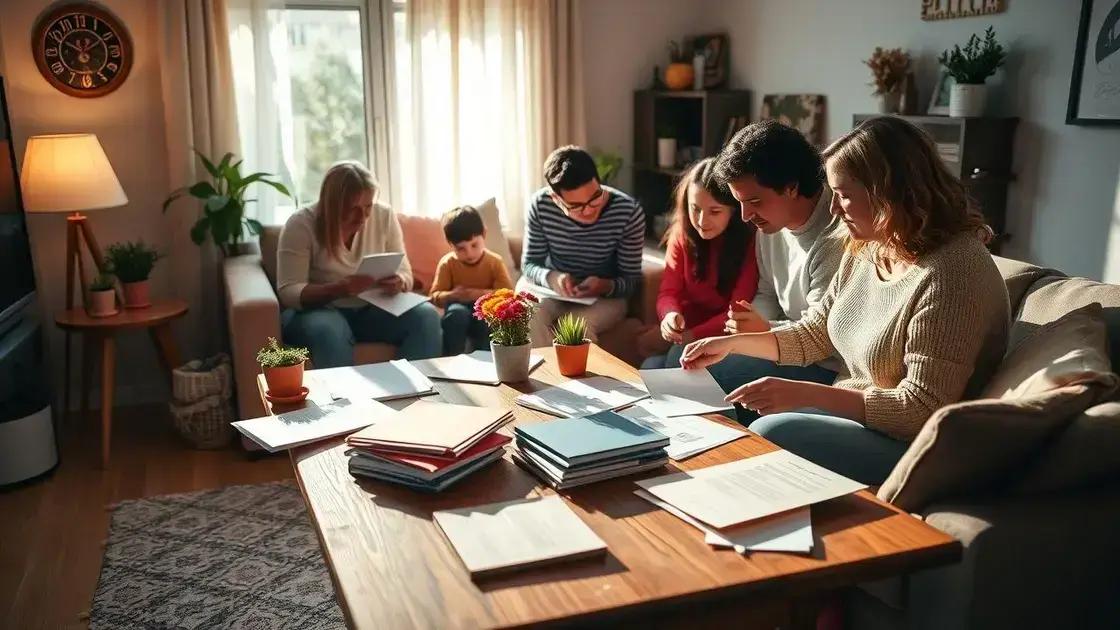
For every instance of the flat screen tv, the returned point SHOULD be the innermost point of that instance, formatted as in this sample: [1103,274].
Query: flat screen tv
[17,276]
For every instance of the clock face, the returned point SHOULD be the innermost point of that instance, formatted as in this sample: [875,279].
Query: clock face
[82,50]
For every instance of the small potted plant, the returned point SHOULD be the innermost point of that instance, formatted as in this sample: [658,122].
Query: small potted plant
[970,67]
[508,314]
[569,338]
[102,298]
[132,263]
[666,144]
[679,73]
[283,368]
[888,72]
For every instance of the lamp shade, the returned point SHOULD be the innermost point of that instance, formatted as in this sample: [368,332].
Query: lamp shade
[68,173]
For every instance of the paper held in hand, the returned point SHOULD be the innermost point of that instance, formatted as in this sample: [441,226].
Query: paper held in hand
[378,266]
[546,293]
[680,392]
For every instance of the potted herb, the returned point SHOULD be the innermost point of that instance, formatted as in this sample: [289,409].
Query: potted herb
[569,338]
[132,263]
[888,74]
[679,73]
[508,314]
[970,67]
[283,368]
[223,209]
[102,298]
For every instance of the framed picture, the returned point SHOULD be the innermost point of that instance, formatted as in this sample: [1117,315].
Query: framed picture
[1094,89]
[803,112]
[939,100]
[716,57]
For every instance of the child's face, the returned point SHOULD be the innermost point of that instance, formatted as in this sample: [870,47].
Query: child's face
[470,251]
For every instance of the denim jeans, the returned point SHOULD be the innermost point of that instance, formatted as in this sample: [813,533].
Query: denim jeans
[330,333]
[738,369]
[459,325]
[672,359]
[840,445]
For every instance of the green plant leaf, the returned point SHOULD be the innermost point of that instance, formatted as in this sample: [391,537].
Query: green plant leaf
[198,230]
[255,227]
[175,194]
[219,230]
[208,165]
[226,159]
[202,190]
[216,204]
[279,187]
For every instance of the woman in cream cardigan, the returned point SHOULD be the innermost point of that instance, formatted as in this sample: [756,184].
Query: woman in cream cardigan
[319,252]
[917,312]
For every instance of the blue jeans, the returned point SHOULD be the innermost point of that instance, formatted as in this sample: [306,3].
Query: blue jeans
[330,333]
[840,445]
[738,369]
[459,325]
[670,360]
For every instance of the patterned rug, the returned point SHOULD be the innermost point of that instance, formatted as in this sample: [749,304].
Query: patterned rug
[236,557]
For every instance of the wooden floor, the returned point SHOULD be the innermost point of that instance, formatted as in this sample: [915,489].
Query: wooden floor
[51,531]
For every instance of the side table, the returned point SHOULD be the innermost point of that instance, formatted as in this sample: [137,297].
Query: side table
[98,332]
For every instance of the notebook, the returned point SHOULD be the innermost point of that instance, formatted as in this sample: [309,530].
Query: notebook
[396,304]
[586,439]
[380,381]
[476,367]
[438,484]
[681,392]
[546,293]
[579,397]
[515,535]
[427,466]
[433,428]
[557,475]
[312,423]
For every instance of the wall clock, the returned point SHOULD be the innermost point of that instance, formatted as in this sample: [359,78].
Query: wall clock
[82,50]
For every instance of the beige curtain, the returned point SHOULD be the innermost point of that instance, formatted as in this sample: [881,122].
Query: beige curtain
[484,90]
[200,113]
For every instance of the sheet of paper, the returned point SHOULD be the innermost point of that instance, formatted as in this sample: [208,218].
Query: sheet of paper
[516,534]
[680,392]
[748,489]
[476,367]
[312,423]
[397,304]
[545,293]
[379,381]
[580,397]
[379,266]
[688,435]
[792,531]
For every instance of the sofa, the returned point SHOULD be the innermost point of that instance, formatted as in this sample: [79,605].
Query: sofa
[253,309]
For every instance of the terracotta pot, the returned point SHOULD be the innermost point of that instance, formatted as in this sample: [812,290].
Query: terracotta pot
[284,381]
[137,294]
[511,362]
[102,303]
[678,76]
[572,359]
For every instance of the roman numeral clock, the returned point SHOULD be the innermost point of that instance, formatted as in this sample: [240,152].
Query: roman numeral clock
[82,50]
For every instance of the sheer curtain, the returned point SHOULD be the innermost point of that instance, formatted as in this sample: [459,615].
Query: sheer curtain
[485,89]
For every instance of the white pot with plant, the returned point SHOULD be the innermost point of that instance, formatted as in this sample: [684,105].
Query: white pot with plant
[888,71]
[508,314]
[970,67]
[102,300]
[666,145]
[132,263]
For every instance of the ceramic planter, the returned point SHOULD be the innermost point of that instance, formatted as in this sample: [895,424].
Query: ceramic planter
[572,360]
[511,362]
[890,102]
[967,100]
[666,152]
[137,294]
[102,303]
[284,381]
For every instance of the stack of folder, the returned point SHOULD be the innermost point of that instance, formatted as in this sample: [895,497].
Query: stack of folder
[429,446]
[575,451]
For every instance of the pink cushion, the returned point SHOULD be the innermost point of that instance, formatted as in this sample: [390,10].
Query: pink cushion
[425,245]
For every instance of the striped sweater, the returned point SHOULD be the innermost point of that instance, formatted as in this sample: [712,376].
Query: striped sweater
[609,248]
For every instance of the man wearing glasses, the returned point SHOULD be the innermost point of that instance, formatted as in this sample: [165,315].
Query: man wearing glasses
[582,240]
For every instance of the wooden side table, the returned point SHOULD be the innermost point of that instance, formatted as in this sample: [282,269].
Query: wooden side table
[98,333]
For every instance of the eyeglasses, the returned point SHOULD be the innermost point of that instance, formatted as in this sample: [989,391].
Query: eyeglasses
[580,207]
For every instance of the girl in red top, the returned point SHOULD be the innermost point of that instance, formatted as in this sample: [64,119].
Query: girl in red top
[709,264]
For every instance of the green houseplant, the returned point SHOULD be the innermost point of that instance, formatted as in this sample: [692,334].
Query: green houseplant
[223,208]
[569,338]
[132,263]
[102,300]
[607,164]
[283,368]
[970,67]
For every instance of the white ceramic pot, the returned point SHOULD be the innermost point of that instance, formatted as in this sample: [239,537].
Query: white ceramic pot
[890,102]
[698,61]
[967,100]
[666,152]
[511,362]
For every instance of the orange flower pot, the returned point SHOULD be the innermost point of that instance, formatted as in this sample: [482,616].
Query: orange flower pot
[284,381]
[572,359]
[678,76]
[137,294]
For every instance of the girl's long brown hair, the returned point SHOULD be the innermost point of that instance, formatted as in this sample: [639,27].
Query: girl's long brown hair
[341,183]
[736,238]
[919,205]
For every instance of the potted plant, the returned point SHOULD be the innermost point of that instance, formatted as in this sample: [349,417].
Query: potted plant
[132,263]
[223,209]
[607,165]
[283,368]
[679,73]
[666,144]
[508,313]
[102,298]
[888,74]
[970,67]
[569,338]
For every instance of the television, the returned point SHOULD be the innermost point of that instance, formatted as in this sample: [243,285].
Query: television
[17,276]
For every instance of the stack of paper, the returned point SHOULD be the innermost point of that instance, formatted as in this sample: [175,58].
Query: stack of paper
[680,392]
[476,367]
[312,423]
[576,451]
[546,293]
[377,381]
[583,396]
[688,435]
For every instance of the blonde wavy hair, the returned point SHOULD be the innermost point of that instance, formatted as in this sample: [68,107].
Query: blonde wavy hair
[917,202]
[341,183]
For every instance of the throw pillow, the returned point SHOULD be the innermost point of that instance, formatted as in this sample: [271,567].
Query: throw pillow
[1086,452]
[496,240]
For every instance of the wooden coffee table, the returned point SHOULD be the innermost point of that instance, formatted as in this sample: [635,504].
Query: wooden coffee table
[392,568]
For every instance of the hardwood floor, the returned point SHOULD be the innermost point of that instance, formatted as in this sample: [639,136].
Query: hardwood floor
[51,531]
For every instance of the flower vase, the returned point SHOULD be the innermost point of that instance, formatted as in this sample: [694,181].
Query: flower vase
[889,102]
[511,362]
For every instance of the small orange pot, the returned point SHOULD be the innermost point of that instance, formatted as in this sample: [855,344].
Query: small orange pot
[284,381]
[678,76]
[572,359]
[137,294]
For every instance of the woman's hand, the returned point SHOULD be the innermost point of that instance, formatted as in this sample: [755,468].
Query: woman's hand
[353,285]
[391,285]
[741,317]
[705,352]
[672,327]
[775,395]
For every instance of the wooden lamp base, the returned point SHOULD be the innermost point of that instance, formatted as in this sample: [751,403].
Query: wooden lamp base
[78,233]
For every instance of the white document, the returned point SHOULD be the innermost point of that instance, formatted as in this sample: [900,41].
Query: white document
[681,392]
[476,367]
[792,531]
[580,397]
[313,423]
[688,435]
[380,381]
[378,266]
[517,534]
[397,304]
[748,489]
[546,293]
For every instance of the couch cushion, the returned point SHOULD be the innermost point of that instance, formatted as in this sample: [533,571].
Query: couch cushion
[1019,276]
[1086,453]
[1053,296]
[270,243]
[425,244]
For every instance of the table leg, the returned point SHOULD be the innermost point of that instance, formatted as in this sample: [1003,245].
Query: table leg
[66,378]
[165,344]
[107,351]
[89,348]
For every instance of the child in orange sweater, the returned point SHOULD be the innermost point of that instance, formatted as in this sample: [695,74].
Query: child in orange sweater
[463,275]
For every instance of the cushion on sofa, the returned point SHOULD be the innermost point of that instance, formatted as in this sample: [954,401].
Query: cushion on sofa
[1086,453]
[425,244]
[1019,276]
[1053,296]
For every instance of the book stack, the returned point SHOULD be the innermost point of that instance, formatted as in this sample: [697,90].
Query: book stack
[429,446]
[950,153]
[576,451]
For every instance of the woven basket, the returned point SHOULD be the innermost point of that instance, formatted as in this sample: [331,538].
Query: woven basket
[202,410]
[201,378]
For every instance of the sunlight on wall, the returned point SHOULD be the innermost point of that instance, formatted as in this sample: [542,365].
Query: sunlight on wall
[1111,271]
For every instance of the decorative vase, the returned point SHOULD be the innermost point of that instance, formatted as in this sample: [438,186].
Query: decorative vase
[966,100]
[889,102]
[666,152]
[102,303]
[908,105]
[284,381]
[572,359]
[511,362]
[698,61]
[678,76]
[137,294]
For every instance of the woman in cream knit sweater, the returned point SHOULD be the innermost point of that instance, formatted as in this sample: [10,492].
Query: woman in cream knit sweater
[917,312]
